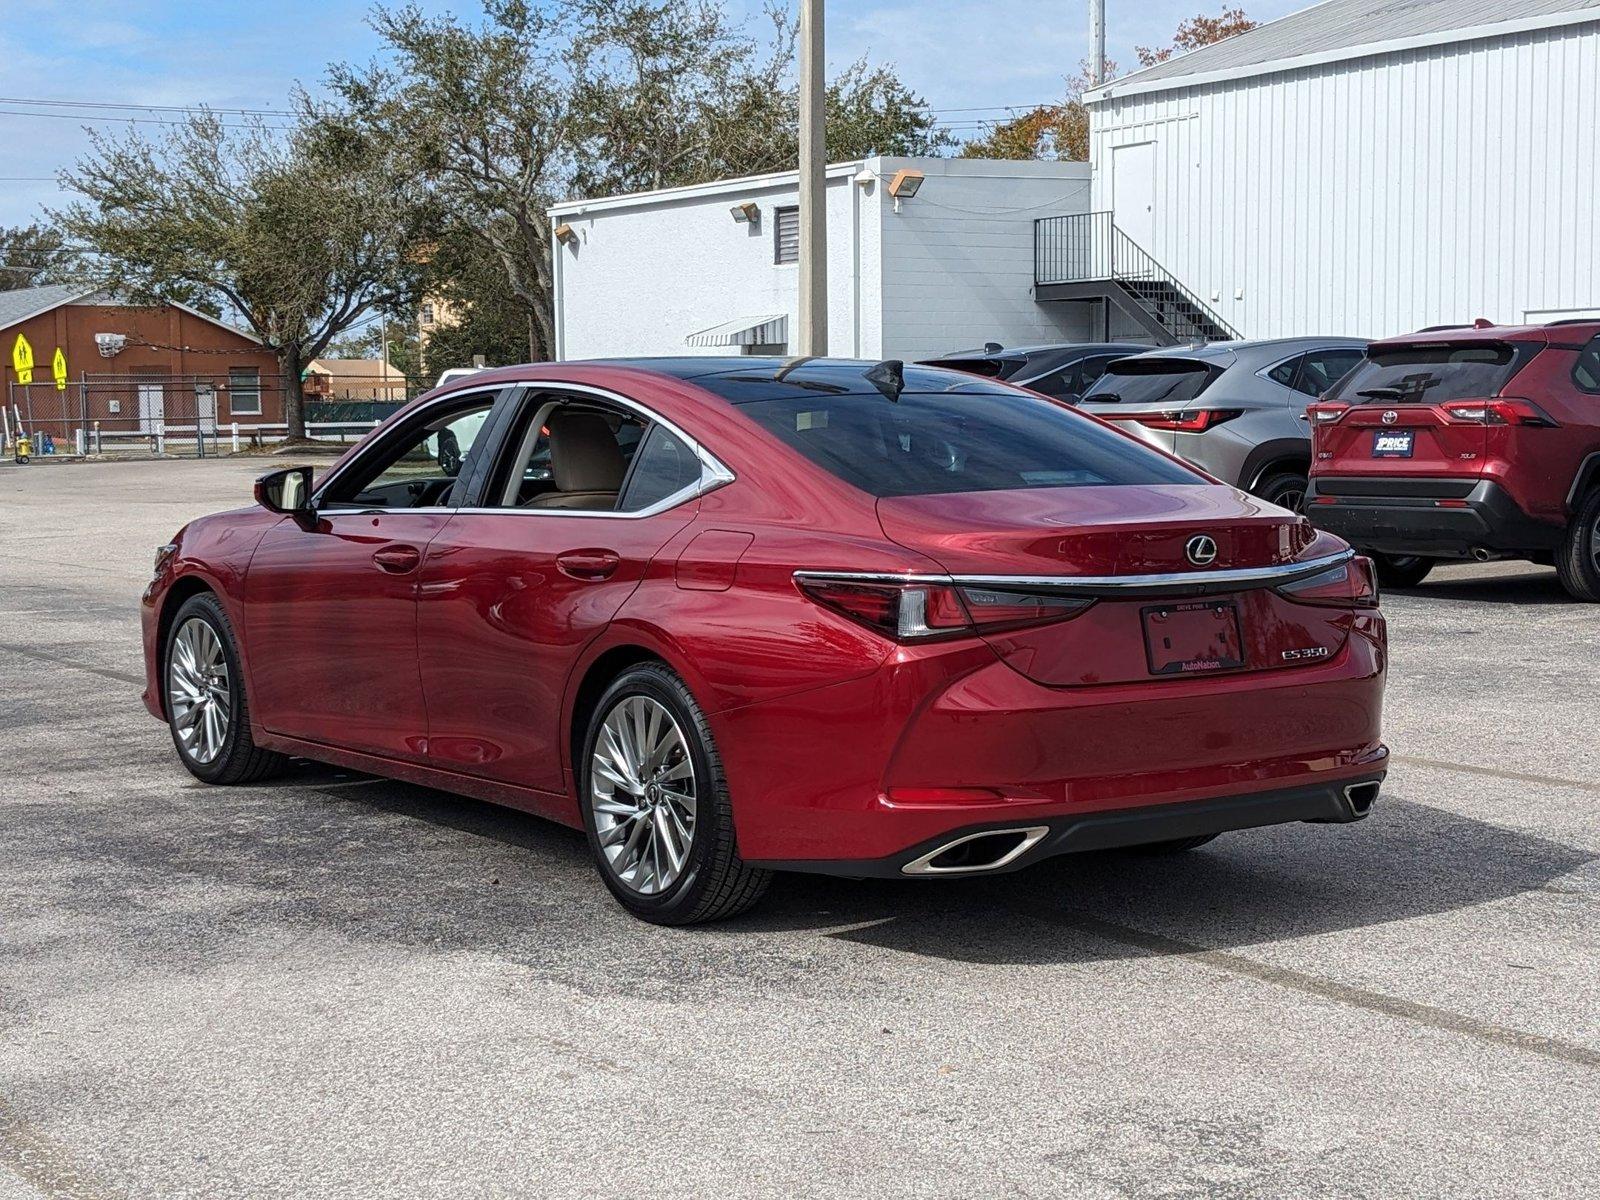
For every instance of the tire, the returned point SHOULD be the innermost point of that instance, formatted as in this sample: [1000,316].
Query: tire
[1578,560]
[1285,489]
[1400,570]
[201,635]
[648,717]
[1174,846]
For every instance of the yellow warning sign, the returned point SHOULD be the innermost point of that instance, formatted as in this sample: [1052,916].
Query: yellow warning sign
[58,367]
[22,360]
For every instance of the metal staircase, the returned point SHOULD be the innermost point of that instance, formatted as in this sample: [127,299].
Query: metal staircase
[1085,257]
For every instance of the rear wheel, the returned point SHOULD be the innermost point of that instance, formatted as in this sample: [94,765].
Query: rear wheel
[206,706]
[1401,570]
[656,806]
[1578,560]
[1286,490]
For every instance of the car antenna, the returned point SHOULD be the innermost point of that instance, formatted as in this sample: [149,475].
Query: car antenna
[889,377]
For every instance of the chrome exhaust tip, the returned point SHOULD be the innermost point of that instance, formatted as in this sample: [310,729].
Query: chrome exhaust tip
[1361,797]
[978,852]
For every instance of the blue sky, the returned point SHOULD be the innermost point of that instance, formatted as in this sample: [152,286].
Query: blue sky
[959,54]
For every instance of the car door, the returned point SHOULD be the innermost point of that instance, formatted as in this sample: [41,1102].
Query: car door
[331,605]
[517,585]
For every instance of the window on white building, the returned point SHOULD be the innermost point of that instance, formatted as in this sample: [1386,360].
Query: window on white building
[785,235]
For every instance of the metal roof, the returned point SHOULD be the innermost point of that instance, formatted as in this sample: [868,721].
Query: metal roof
[1347,29]
[768,330]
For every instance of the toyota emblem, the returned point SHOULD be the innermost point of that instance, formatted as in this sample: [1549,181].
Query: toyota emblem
[1390,416]
[1201,550]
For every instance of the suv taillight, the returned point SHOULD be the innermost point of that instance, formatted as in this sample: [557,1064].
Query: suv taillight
[1326,413]
[1352,584]
[1508,410]
[918,610]
[1184,420]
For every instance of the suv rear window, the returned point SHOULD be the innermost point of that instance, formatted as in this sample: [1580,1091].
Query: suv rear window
[927,444]
[1434,372]
[1165,382]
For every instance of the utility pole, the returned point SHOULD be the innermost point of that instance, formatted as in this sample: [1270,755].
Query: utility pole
[813,330]
[1097,42]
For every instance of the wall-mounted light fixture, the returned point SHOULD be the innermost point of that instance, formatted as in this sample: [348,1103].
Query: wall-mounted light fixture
[905,184]
[746,212]
[565,234]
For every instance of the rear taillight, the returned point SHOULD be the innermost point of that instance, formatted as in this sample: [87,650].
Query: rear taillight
[920,610]
[1352,584]
[1183,420]
[1325,414]
[1505,411]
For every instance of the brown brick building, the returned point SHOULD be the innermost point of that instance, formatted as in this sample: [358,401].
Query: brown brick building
[173,365]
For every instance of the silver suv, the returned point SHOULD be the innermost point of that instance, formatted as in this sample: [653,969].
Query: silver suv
[1234,409]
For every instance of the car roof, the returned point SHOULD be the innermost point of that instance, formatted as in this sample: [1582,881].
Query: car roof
[1565,331]
[1041,348]
[1252,350]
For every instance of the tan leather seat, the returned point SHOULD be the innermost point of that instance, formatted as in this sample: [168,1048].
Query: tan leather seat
[585,462]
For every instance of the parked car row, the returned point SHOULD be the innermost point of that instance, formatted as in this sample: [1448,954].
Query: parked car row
[1471,442]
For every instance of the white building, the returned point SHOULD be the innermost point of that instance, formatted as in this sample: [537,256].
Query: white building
[1368,166]
[677,272]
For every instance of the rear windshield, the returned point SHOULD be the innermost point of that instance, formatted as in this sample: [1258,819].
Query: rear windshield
[928,444]
[1433,372]
[988,368]
[1160,382]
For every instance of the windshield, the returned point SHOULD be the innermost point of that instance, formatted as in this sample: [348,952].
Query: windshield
[929,444]
[1433,373]
[1163,383]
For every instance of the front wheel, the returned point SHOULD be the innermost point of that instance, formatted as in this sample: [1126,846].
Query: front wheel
[205,700]
[656,807]
[1578,560]
[1400,570]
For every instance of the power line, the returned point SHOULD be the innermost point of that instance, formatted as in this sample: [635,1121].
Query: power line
[96,120]
[177,108]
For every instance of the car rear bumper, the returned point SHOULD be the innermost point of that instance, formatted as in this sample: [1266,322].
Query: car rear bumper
[1435,518]
[862,777]
[995,848]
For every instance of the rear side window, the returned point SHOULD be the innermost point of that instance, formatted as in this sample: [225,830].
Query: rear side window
[663,467]
[1586,371]
[1152,381]
[1321,369]
[1283,374]
[935,443]
[1434,372]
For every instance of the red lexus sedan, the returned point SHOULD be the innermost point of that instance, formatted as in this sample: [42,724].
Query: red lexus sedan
[732,616]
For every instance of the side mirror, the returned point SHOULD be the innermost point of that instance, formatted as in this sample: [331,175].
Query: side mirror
[287,491]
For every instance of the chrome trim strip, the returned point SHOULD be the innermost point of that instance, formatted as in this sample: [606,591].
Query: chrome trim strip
[1177,583]
[1031,837]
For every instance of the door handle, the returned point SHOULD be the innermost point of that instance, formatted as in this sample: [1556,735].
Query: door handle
[398,560]
[589,565]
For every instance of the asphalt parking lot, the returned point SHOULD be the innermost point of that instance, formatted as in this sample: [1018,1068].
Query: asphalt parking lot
[335,986]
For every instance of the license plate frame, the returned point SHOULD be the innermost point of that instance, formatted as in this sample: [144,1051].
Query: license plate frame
[1393,443]
[1192,637]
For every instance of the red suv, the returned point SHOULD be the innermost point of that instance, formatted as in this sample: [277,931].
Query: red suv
[1480,442]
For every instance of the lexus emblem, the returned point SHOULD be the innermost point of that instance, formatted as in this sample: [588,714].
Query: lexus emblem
[1201,550]
[1390,416]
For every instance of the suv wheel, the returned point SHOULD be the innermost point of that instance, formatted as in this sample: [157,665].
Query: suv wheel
[1400,570]
[1286,490]
[656,807]
[1578,560]
[204,691]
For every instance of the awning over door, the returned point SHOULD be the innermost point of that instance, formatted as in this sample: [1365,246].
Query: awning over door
[769,330]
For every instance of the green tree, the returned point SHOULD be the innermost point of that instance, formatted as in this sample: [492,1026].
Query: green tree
[539,103]
[31,255]
[297,231]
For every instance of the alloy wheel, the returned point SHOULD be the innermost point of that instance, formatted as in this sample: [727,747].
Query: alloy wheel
[642,791]
[198,690]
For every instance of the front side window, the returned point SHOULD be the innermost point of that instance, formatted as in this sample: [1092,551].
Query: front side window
[1433,372]
[418,470]
[936,443]
[244,391]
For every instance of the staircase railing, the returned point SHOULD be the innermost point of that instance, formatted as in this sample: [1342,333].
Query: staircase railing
[1090,248]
